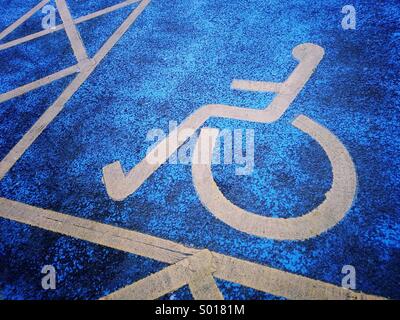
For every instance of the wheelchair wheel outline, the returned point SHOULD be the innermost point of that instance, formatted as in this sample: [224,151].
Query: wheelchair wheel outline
[338,200]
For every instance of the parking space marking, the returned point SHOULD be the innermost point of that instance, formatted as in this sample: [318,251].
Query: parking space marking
[281,283]
[38,83]
[194,267]
[22,19]
[194,271]
[95,232]
[49,115]
[249,274]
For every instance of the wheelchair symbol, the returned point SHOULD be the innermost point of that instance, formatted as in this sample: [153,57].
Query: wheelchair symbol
[338,200]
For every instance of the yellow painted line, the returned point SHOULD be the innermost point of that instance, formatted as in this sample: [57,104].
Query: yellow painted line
[59,27]
[21,20]
[48,116]
[120,185]
[38,83]
[72,32]
[195,271]
[326,215]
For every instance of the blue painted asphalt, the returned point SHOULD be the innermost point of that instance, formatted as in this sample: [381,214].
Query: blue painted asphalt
[178,56]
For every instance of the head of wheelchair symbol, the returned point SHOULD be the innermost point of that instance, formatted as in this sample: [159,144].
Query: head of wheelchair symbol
[338,200]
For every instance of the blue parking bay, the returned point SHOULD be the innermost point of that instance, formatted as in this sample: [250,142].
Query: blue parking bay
[177,57]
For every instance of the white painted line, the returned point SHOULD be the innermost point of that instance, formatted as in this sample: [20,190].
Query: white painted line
[40,125]
[37,84]
[105,11]
[259,277]
[72,32]
[281,283]
[120,31]
[48,116]
[194,267]
[256,86]
[59,27]
[32,36]
[195,271]
[326,215]
[103,234]
[21,20]
[205,288]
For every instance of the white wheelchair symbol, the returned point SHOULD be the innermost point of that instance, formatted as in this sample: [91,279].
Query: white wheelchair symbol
[338,199]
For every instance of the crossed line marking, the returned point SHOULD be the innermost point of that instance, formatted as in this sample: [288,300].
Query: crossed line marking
[326,215]
[21,20]
[48,116]
[249,274]
[59,27]
[72,34]
[196,271]
[189,266]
